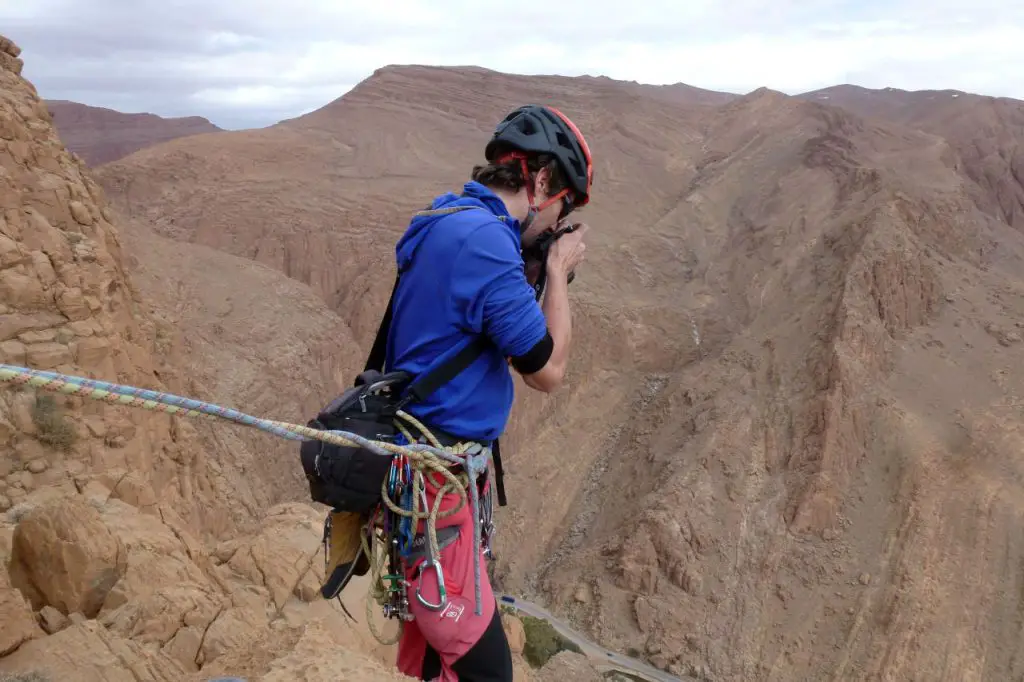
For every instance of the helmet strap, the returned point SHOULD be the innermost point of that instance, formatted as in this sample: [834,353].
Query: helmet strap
[533,208]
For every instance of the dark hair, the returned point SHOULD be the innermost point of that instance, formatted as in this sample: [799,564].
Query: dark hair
[509,175]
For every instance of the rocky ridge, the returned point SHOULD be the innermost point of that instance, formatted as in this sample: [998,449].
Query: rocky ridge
[985,132]
[100,135]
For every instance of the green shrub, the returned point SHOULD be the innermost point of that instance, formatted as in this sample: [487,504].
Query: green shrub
[54,428]
[543,641]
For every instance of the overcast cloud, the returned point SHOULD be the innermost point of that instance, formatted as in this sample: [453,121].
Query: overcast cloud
[244,63]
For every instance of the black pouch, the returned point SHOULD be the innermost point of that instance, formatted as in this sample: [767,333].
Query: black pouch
[349,477]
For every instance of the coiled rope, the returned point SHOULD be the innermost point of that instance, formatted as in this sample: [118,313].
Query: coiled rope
[423,457]
[378,592]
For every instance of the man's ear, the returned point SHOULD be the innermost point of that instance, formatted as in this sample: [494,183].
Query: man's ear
[543,182]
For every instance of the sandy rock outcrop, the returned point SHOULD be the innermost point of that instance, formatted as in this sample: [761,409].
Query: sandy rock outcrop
[67,305]
[315,659]
[65,557]
[177,611]
[514,632]
[88,652]
[269,559]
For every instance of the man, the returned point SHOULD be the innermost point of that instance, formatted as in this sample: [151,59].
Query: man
[463,276]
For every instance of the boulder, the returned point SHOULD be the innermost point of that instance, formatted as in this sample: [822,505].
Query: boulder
[64,556]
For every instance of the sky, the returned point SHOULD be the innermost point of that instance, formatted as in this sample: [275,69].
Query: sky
[251,63]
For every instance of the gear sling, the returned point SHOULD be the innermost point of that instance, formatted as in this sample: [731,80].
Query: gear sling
[361,486]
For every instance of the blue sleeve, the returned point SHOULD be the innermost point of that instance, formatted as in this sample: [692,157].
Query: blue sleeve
[490,291]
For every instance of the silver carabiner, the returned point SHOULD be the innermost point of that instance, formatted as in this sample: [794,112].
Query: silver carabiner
[442,593]
[487,522]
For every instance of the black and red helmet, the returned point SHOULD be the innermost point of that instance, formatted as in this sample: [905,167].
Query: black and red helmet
[535,129]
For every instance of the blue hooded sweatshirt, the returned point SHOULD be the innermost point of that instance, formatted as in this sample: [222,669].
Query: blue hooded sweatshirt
[463,276]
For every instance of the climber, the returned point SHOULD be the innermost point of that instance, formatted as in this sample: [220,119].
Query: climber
[463,276]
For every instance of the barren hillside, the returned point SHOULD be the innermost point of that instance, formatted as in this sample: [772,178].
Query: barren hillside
[787,446]
[986,132]
[99,135]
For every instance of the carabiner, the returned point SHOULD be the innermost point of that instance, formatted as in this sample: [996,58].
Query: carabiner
[442,593]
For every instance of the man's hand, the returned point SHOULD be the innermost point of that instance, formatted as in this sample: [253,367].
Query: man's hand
[567,252]
[564,255]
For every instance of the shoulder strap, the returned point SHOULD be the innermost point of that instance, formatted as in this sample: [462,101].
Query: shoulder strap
[378,351]
[425,384]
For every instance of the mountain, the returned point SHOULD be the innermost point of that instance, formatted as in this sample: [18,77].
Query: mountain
[100,135]
[788,444]
[987,134]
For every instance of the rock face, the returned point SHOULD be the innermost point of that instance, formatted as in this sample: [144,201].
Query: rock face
[799,361]
[17,624]
[68,306]
[256,340]
[176,612]
[100,135]
[65,557]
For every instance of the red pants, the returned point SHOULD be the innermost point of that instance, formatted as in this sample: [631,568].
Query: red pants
[454,644]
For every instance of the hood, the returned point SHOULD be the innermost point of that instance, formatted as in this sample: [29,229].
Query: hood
[473,194]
